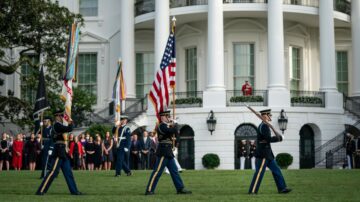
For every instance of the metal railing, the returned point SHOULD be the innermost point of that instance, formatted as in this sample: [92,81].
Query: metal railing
[310,3]
[236,98]
[244,1]
[187,99]
[352,105]
[333,151]
[307,98]
[183,3]
[147,6]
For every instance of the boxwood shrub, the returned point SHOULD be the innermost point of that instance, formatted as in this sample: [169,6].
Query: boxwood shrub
[284,160]
[210,161]
[306,100]
[189,100]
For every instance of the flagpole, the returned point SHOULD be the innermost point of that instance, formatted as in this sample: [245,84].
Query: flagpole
[173,21]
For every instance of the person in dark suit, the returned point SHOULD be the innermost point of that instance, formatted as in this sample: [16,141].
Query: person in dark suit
[350,150]
[165,156]
[60,157]
[265,157]
[122,136]
[135,150]
[145,143]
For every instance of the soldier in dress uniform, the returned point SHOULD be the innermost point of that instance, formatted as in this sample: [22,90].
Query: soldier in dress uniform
[265,157]
[122,136]
[350,150]
[60,158]
[252,153]
[165,156]
[242,154]
[47,144]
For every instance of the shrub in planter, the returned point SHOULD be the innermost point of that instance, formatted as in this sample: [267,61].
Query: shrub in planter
[284,160]
[210,161]
[256,98]
[306,100]
[190,100]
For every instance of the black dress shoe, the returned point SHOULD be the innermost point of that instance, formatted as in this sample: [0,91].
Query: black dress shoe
[77,193]
[149,193]
[40,193]
[285,191]
[252,193]
[116,175]
[184,191]
[129,174]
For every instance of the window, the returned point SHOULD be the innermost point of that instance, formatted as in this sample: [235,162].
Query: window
[87,72]
[28,93]
[244,65]
[88,8]
[191,71]
[295,2]
[295,66]
[342,71]
[144,73]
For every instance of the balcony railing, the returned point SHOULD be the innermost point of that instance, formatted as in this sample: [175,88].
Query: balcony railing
[183,3]
[187,99]
[147,6]
[307,98]
[236,98]
[244,1]
[310,3]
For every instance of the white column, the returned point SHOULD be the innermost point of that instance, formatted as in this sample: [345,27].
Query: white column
[327,47]
[215,95]
[278,93]
[333,99]
[162,29]
[355,28]
[215,60]
[127,41]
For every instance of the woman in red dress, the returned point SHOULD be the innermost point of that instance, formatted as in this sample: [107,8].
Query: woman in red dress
[17,152]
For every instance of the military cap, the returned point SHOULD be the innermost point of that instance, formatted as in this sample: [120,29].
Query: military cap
[164,113]
[58,112]
[265,111]
[47,118]
[124,117]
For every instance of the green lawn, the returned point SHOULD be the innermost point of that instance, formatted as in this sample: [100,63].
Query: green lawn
[207,185]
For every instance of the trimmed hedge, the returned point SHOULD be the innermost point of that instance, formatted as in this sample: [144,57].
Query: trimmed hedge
[253,98]
[210,161]
[306,100]
[284,160]
[189,100]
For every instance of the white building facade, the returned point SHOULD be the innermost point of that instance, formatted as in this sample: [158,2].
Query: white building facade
[286,49]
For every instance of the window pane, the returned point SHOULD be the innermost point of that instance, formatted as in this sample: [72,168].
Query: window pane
[244,64]
[88,7]
[342,71]
[144,73]
[87,72]
[191,69]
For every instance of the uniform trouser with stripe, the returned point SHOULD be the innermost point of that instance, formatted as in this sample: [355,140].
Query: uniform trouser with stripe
[121,161]
[261,165]
[45,156]
[58,163]
[160,164]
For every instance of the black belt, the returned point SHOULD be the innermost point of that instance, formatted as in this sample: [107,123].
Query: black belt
[165,142]
[46,138]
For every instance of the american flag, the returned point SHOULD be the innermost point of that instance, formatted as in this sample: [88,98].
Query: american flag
[165,77]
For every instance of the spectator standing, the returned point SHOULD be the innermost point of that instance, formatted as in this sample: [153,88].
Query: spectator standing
[135,152]
[252,153]
[83,143]
[350,150]
[246,89]
[107,146]
[145,150]
[17,150]
[90,153]
[98,153]
[32,149]
[4,151]
[153,146]
[76,152]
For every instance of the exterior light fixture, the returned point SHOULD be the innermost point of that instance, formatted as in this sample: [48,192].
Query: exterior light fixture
[211,122]
[283,120]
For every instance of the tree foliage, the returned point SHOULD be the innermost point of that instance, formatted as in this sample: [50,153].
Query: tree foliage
[36,27]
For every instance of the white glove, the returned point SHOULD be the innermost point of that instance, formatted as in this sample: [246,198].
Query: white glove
[41,123]
[174,121]
[282,138]
[126,149]
[50,152]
